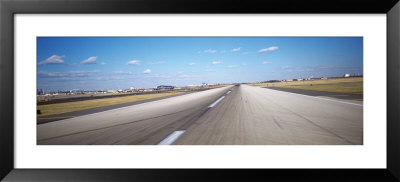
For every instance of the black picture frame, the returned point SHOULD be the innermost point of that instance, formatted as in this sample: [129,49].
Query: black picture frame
[8,8]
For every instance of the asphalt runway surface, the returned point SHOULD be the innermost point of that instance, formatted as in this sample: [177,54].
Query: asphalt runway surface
[320,93]
[234,115]
[56,117]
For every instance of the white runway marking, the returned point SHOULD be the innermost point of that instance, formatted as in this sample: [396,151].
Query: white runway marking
[322,98]
[216,102]
[339,101]
[171,138]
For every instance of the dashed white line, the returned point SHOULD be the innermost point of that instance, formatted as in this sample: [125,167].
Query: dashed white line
[216,102]
[176,134]
[172,137]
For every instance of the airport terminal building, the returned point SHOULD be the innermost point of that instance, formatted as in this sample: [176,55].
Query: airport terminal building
[165,87]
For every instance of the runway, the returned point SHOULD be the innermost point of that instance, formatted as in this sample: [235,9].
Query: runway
[146,123]
[320,93]
[52,118]
[234,115]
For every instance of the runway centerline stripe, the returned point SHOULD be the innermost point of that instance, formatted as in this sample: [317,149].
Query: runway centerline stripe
[172,137]
[216,102]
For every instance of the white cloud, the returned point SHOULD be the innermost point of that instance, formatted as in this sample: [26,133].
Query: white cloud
[159,76]
[184,76]
[236,49]
[122,72]
[159,62]
[210,70]
[272,48]
[54,59]
[102,63]
[67,74]
[90,60]
[134,62]
[266,62]
[50,74]
[216,62]
[285,67]
[147,71]
[233,66]
[191,63]
[108,78]
[210,51]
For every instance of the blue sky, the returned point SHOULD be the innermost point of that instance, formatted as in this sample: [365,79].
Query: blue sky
[93,63]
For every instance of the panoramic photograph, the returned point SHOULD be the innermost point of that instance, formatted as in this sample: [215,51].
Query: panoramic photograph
[199,91]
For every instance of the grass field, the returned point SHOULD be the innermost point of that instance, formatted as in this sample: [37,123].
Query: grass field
[59,108]
[348,88]
[352,85]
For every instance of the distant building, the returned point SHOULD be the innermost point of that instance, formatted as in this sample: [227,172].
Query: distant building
[324,78]
[41,92]
[346,75]
[165,87]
